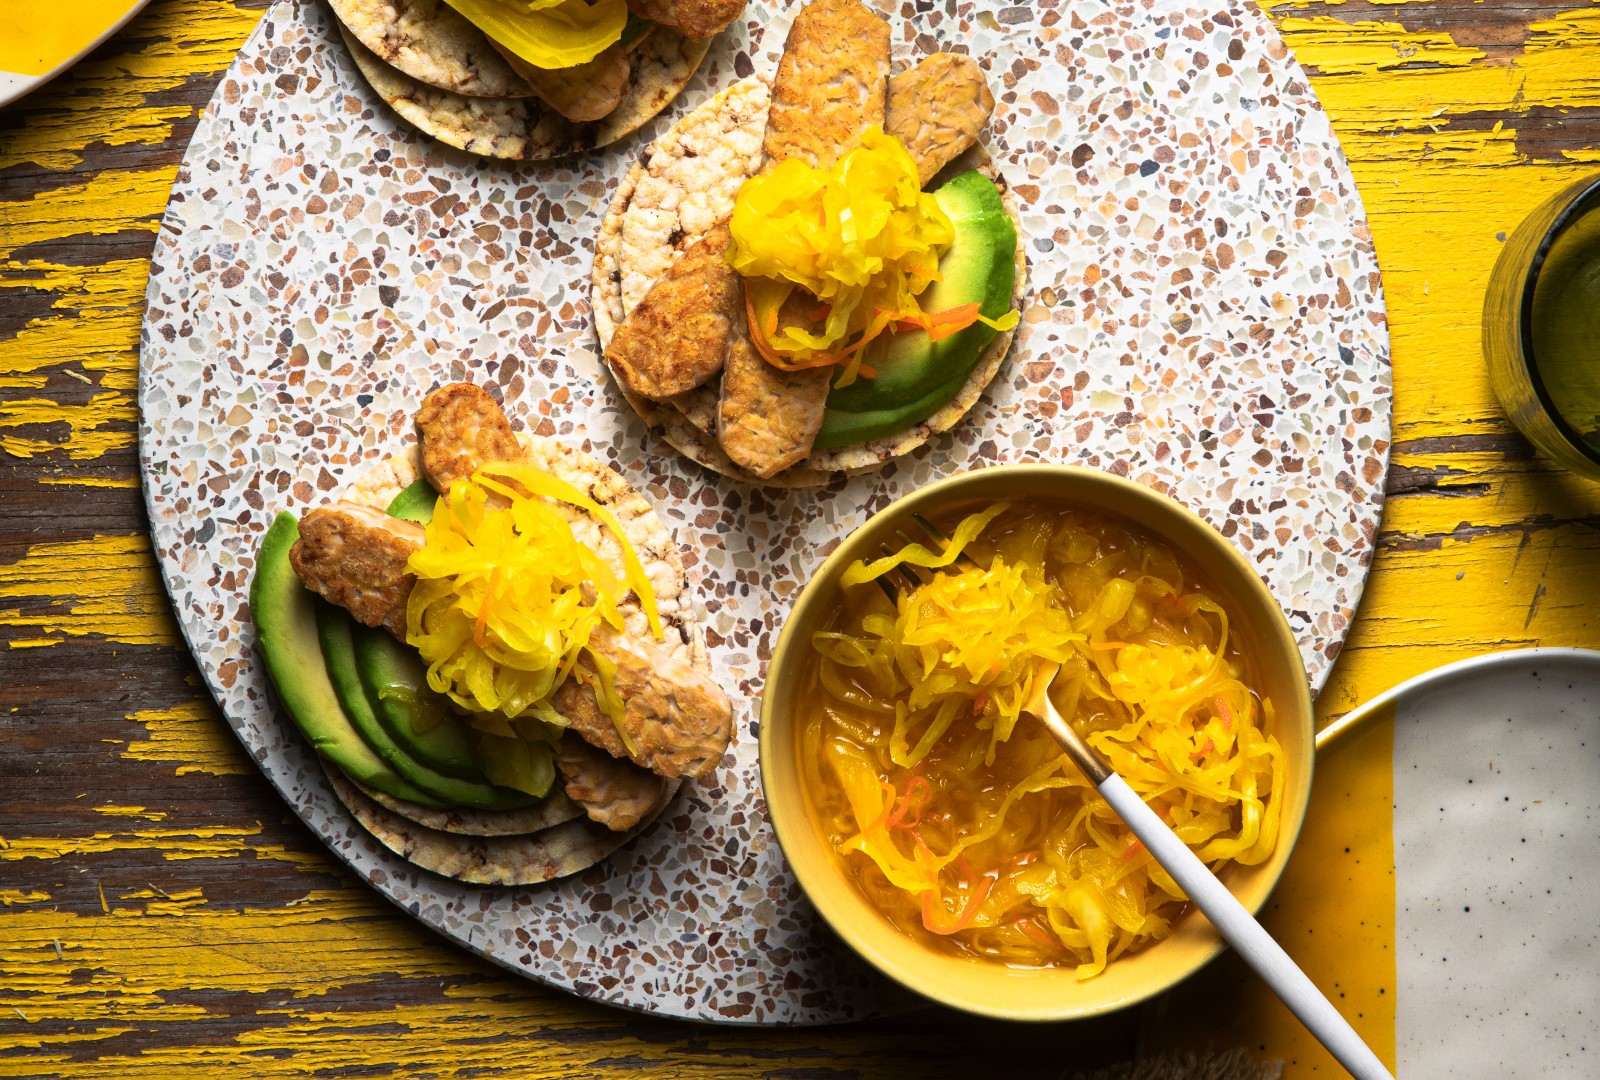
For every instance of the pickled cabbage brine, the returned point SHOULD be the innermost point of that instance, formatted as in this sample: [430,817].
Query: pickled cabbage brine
[962,820]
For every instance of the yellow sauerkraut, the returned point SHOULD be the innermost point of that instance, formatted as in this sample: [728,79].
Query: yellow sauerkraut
[858,242]
[966,824]
[507,599]
[549,34]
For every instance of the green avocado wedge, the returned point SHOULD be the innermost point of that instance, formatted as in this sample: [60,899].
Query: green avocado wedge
[425,727]
[286,639]
[414,503]
[419,720]
[335,634]
[916,376]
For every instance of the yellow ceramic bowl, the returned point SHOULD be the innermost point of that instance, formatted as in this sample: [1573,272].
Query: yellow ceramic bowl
[987,988]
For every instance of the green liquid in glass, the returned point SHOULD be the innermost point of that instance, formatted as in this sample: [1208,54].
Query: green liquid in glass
[1566,326]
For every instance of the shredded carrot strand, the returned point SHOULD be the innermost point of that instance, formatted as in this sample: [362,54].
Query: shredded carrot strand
[1033,930]
[909,814]
[888,805]
[969,914]
[483,610]
[1224,712]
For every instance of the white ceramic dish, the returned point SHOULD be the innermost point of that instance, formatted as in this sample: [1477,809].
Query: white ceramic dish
[1497,862]
[80,31]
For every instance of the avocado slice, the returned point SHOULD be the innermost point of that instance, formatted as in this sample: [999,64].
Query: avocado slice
[424,726]
[286,638]
[418,719]
[414,503]
[335,633]
[916,376]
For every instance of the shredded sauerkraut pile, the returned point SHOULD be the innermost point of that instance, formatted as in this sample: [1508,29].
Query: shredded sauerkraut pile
[833,259]
[507,600]
[966,824]
[549,33]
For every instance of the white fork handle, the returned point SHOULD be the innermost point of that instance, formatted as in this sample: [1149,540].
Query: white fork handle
[1246,935]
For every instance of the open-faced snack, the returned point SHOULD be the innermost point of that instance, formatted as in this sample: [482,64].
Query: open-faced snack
[774,290]
[490,638]
[530,79]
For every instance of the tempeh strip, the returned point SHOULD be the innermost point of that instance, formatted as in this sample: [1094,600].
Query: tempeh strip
[832,85]
[938,108]
[612,792]
[677,337]
[587,92]
[355,557]
[694,19]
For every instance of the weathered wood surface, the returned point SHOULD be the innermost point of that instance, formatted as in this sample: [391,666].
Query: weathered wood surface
[161,911]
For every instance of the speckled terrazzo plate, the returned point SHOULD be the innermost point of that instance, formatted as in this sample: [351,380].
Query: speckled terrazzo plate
[1205,318]
[1497,858]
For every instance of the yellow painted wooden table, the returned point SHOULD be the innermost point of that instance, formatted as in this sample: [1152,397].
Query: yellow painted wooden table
[160,909]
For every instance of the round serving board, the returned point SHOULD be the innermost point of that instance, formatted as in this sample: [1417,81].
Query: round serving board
[1205,317]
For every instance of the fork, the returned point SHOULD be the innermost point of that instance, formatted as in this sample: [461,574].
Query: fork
[1237,926]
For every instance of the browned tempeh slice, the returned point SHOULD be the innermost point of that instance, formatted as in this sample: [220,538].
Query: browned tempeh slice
[831,83]
[676,338]
[585,92]
[678,718]
[938,108]
[615,793]
[355,557]
[462,427]
[767,419]
[694,19]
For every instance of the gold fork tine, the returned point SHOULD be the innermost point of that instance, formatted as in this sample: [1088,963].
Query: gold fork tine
[943,541]
[910,577]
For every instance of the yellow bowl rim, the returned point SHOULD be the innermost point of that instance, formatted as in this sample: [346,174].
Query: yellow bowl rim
[1278,637]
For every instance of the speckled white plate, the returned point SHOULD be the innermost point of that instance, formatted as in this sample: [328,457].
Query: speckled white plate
[1497,864]
[1205,317]
[55,41]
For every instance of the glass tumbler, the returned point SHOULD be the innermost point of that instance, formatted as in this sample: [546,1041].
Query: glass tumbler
[1541,327]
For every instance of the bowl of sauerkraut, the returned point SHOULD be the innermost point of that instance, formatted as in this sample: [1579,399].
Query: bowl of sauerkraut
[943,834]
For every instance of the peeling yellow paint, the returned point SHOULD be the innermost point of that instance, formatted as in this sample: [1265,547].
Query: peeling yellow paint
[85,423]
[195,736]
[111,590]
[109,202]
[131,811]
[173,844]
[91,481]
[1559,59]
[9,897]
[181,902]
[1336,47]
